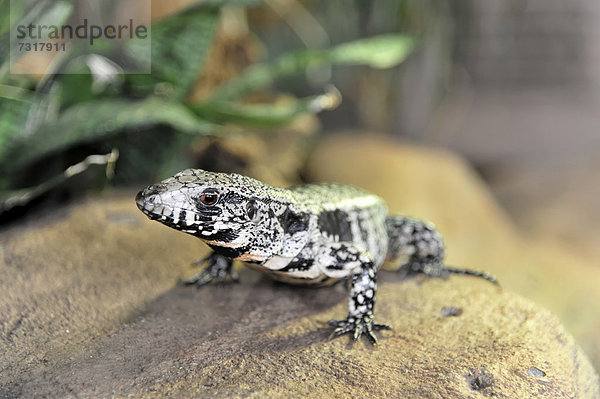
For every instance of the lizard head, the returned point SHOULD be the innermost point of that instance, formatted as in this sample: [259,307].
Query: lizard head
[223,210]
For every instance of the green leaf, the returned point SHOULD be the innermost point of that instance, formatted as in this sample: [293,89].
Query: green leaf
[143,157]
[75,88]
[383,51]
[379,52]
[100,119]
[8,11]
[277,114]
[179,46]
[220,3]
[13,117]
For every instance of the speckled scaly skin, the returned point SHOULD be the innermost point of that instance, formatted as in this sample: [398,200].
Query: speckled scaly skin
[312,234]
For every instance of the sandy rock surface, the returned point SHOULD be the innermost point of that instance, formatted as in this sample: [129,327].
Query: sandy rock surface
[91,308]
[438,186]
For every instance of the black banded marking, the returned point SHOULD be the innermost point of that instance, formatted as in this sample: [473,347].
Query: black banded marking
[293,223]
[298,265]
[229,252]
[364,227]
[182,215]
[225,236]
[335,223]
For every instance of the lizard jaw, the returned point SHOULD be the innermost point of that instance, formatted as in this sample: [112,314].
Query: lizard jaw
[149,201]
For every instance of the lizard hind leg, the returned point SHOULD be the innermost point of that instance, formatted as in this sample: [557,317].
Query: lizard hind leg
[424,247]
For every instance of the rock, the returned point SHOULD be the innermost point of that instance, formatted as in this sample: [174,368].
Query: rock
[72,277]
[91,308]
[438,186]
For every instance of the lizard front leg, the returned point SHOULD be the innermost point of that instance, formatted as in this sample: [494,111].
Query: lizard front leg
[219,268]
[344,260]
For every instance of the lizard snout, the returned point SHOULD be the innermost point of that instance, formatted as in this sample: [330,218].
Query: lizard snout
[140,200]
[146,198]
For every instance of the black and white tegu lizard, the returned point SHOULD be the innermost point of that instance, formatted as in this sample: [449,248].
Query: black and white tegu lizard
[311,234]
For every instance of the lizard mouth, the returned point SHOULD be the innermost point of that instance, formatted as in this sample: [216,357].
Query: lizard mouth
[151,203]
[141,203]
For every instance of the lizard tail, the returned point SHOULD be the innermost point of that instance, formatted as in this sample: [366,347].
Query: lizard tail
[469,272]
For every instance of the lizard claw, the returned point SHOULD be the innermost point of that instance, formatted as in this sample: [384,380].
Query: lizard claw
[219,269]
[199,279]
[356,327]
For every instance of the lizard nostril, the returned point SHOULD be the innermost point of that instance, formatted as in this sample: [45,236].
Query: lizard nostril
[140,199]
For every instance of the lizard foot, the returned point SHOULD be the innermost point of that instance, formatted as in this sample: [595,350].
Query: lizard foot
[218,269]
[357,326]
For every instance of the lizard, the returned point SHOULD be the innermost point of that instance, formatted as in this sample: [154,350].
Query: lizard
[311,234]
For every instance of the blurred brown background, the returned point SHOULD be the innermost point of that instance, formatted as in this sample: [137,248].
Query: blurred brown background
[526,111]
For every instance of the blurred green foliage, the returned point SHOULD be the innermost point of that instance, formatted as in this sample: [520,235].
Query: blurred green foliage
[50,124]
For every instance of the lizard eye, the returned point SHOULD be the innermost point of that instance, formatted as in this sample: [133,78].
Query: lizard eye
[251,209]
[209,198]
